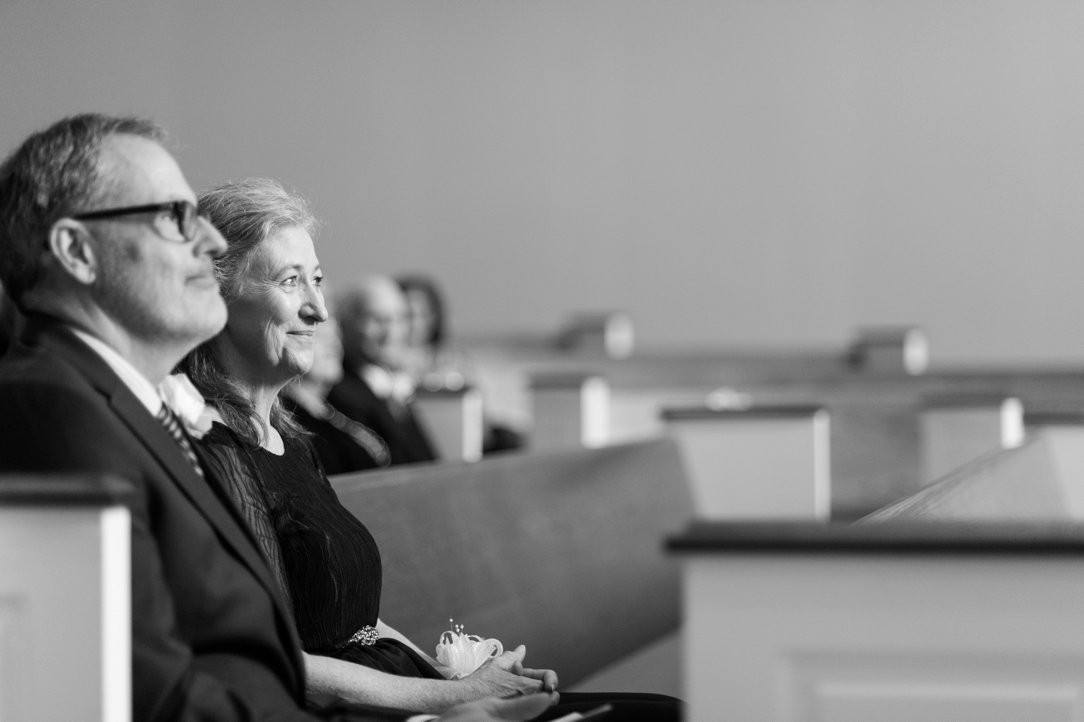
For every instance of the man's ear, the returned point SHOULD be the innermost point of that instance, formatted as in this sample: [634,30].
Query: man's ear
[69,243]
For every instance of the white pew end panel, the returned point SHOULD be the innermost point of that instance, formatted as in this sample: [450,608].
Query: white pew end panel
[954,429]
[65,599]
[454,420]
[920,622]
[569,411]
[761,462]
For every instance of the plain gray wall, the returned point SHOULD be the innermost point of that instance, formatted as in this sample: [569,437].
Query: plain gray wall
[732,173]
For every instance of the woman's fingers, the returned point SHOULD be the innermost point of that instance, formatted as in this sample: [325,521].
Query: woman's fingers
[511,658]
[547,676]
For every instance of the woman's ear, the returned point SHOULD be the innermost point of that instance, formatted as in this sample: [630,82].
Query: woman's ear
[69,244]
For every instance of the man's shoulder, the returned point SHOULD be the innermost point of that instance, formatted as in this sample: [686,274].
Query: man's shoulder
[32,369]
[352,390]
[53,416]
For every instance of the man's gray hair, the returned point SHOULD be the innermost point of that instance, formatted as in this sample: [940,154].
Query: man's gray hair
[54,173]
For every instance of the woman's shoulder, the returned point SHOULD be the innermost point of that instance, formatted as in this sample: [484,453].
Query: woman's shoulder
[222,435]
[227,450]
[300,448]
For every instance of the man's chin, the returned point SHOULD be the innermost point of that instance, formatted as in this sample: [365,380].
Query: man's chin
[213,320]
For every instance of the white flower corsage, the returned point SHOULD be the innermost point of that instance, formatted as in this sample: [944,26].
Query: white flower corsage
[187,404]
[463,653]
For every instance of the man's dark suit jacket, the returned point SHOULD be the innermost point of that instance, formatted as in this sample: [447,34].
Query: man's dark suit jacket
[406,439]
[211,637]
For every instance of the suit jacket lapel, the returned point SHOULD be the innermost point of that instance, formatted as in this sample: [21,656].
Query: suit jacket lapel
[199,491]
[221,514]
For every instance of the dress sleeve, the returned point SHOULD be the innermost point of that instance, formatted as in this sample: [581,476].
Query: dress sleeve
[229,462]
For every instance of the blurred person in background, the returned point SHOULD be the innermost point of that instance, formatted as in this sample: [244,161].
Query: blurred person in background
[433,363]
[376,389]
[426,356]
[343,445]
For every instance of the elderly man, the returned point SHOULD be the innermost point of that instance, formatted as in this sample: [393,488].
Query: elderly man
[375,390]
[104,251]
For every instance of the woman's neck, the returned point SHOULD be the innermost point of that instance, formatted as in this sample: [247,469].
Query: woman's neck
[263,400]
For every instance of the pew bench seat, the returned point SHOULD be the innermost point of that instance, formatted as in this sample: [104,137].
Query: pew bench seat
[559,551]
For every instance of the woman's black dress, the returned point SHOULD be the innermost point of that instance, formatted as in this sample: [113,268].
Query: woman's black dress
[329,566]
[324,558]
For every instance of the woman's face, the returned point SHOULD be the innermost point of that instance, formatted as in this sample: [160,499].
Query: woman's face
[273,319]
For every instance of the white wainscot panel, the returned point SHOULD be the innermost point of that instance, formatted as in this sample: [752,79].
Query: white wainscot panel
[13,626]
[809,638]
[924,688]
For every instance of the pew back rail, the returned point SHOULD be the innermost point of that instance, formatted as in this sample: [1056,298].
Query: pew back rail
[1038,481]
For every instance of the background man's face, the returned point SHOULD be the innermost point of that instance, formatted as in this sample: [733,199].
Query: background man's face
[378,331]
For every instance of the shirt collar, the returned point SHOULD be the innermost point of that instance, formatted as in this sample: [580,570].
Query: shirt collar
[136,382]
[388,384]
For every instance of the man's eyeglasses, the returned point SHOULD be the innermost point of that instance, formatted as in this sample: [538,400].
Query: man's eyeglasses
[182,213]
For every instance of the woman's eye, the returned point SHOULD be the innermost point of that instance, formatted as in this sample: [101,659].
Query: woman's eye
[318,281]
[291,281]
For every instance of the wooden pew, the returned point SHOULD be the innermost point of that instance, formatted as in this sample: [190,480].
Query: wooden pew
[1041,480]
[877,434]
[955,603]
[876,437]
[558,551]
[65,599]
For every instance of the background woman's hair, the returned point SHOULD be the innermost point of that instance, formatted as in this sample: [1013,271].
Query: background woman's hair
[426,285]
[246,213]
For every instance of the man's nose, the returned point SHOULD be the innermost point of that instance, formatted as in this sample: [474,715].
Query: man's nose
[210,240]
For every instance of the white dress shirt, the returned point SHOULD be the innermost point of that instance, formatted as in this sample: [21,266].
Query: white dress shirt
[136,382]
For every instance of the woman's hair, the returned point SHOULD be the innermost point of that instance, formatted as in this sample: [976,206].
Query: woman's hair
[427,286]
[10,322]
[246,213]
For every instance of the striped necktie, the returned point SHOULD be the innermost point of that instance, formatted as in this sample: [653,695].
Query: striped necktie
[169,420]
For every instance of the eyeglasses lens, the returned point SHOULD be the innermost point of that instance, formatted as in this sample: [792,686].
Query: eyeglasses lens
[184,213]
